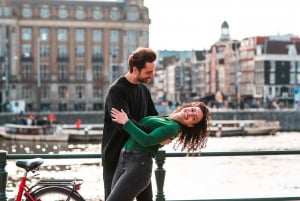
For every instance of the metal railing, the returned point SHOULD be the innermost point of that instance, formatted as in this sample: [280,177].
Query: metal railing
[159,171]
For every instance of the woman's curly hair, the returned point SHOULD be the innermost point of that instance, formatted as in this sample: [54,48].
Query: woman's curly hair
[194,138]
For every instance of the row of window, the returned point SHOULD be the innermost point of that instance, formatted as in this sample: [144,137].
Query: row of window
[80,13]
[63,73]
[63,92]
[63,52]
[80,36]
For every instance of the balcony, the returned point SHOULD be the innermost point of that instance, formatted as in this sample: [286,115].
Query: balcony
[62,58]
[97,58]
[27,58]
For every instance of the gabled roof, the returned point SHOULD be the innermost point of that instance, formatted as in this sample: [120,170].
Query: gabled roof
[280,47]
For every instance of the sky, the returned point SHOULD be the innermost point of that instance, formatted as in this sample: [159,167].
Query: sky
[196,24]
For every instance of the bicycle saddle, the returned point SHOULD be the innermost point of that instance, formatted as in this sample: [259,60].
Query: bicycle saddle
[31,164]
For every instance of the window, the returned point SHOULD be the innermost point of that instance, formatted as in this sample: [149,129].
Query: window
[80,14]
[114,36]
[97,51]
[80,35]
[26,33]
[44,34]
[27,12]
[44,51]
[45,92]
[80,92]
[277,91]
[131,48]
[294,73]
[27,72]
[114,51]
[26,92]
[114,14]
[80,51]
[132,36]
[97,93]
[63,13]
[272,74]
[97,14]
[26,51]
[80,72]
[45,74]
[62,51]
[272,78]
[63,92]
[115,72]
[62,106]
[62,72]
[62,34]
[44,12]
[132,15]
[145,37]
[5,11]
[97,72]
[97,35]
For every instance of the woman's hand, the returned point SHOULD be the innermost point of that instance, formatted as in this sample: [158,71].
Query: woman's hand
[119,116]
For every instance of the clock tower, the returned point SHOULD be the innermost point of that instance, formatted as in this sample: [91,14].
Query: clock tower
[225,36]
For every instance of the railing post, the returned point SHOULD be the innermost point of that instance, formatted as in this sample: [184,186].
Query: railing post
[3,175]
[160,175]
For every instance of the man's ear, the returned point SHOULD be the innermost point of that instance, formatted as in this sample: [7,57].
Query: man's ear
[135,70]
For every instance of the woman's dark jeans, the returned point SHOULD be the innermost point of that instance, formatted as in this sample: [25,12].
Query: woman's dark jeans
[132,176]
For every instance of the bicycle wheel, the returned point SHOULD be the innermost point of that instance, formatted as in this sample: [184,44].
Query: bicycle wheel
[56,193]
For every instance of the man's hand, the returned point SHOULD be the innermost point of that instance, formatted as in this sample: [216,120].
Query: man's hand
[119,116]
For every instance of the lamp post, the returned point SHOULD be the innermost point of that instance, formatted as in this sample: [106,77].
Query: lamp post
[237,80]
[296,88]
[38,75]
[5,77]
[292,51]
[42,36]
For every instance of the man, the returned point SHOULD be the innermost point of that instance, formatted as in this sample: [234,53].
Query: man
[130,94]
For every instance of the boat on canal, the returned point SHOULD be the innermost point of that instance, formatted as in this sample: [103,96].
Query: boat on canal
[224,128]
[51,132]
[32,133]
[86,132]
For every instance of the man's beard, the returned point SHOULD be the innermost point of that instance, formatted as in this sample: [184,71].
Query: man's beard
[143,80]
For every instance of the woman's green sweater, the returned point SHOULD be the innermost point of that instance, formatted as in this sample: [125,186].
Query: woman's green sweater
[162,129]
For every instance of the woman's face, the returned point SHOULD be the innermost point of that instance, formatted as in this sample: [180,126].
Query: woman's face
[190,115]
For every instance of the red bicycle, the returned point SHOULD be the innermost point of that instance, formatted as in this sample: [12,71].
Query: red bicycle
[46,189]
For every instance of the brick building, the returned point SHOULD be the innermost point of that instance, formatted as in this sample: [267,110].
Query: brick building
[61,55]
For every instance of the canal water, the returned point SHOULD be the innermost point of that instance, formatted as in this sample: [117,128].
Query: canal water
[186,177]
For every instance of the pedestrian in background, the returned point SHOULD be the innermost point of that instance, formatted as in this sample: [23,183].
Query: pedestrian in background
[78,124]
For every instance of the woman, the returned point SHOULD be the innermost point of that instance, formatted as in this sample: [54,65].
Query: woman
[189,123]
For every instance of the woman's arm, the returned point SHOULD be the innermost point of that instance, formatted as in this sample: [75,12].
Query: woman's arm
[153,138]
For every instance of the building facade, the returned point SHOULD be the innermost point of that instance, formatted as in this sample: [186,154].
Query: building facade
[256,72]
[61,55]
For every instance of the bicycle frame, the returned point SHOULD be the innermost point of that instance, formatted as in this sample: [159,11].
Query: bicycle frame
[72,185]
[23,187]
[42,184]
